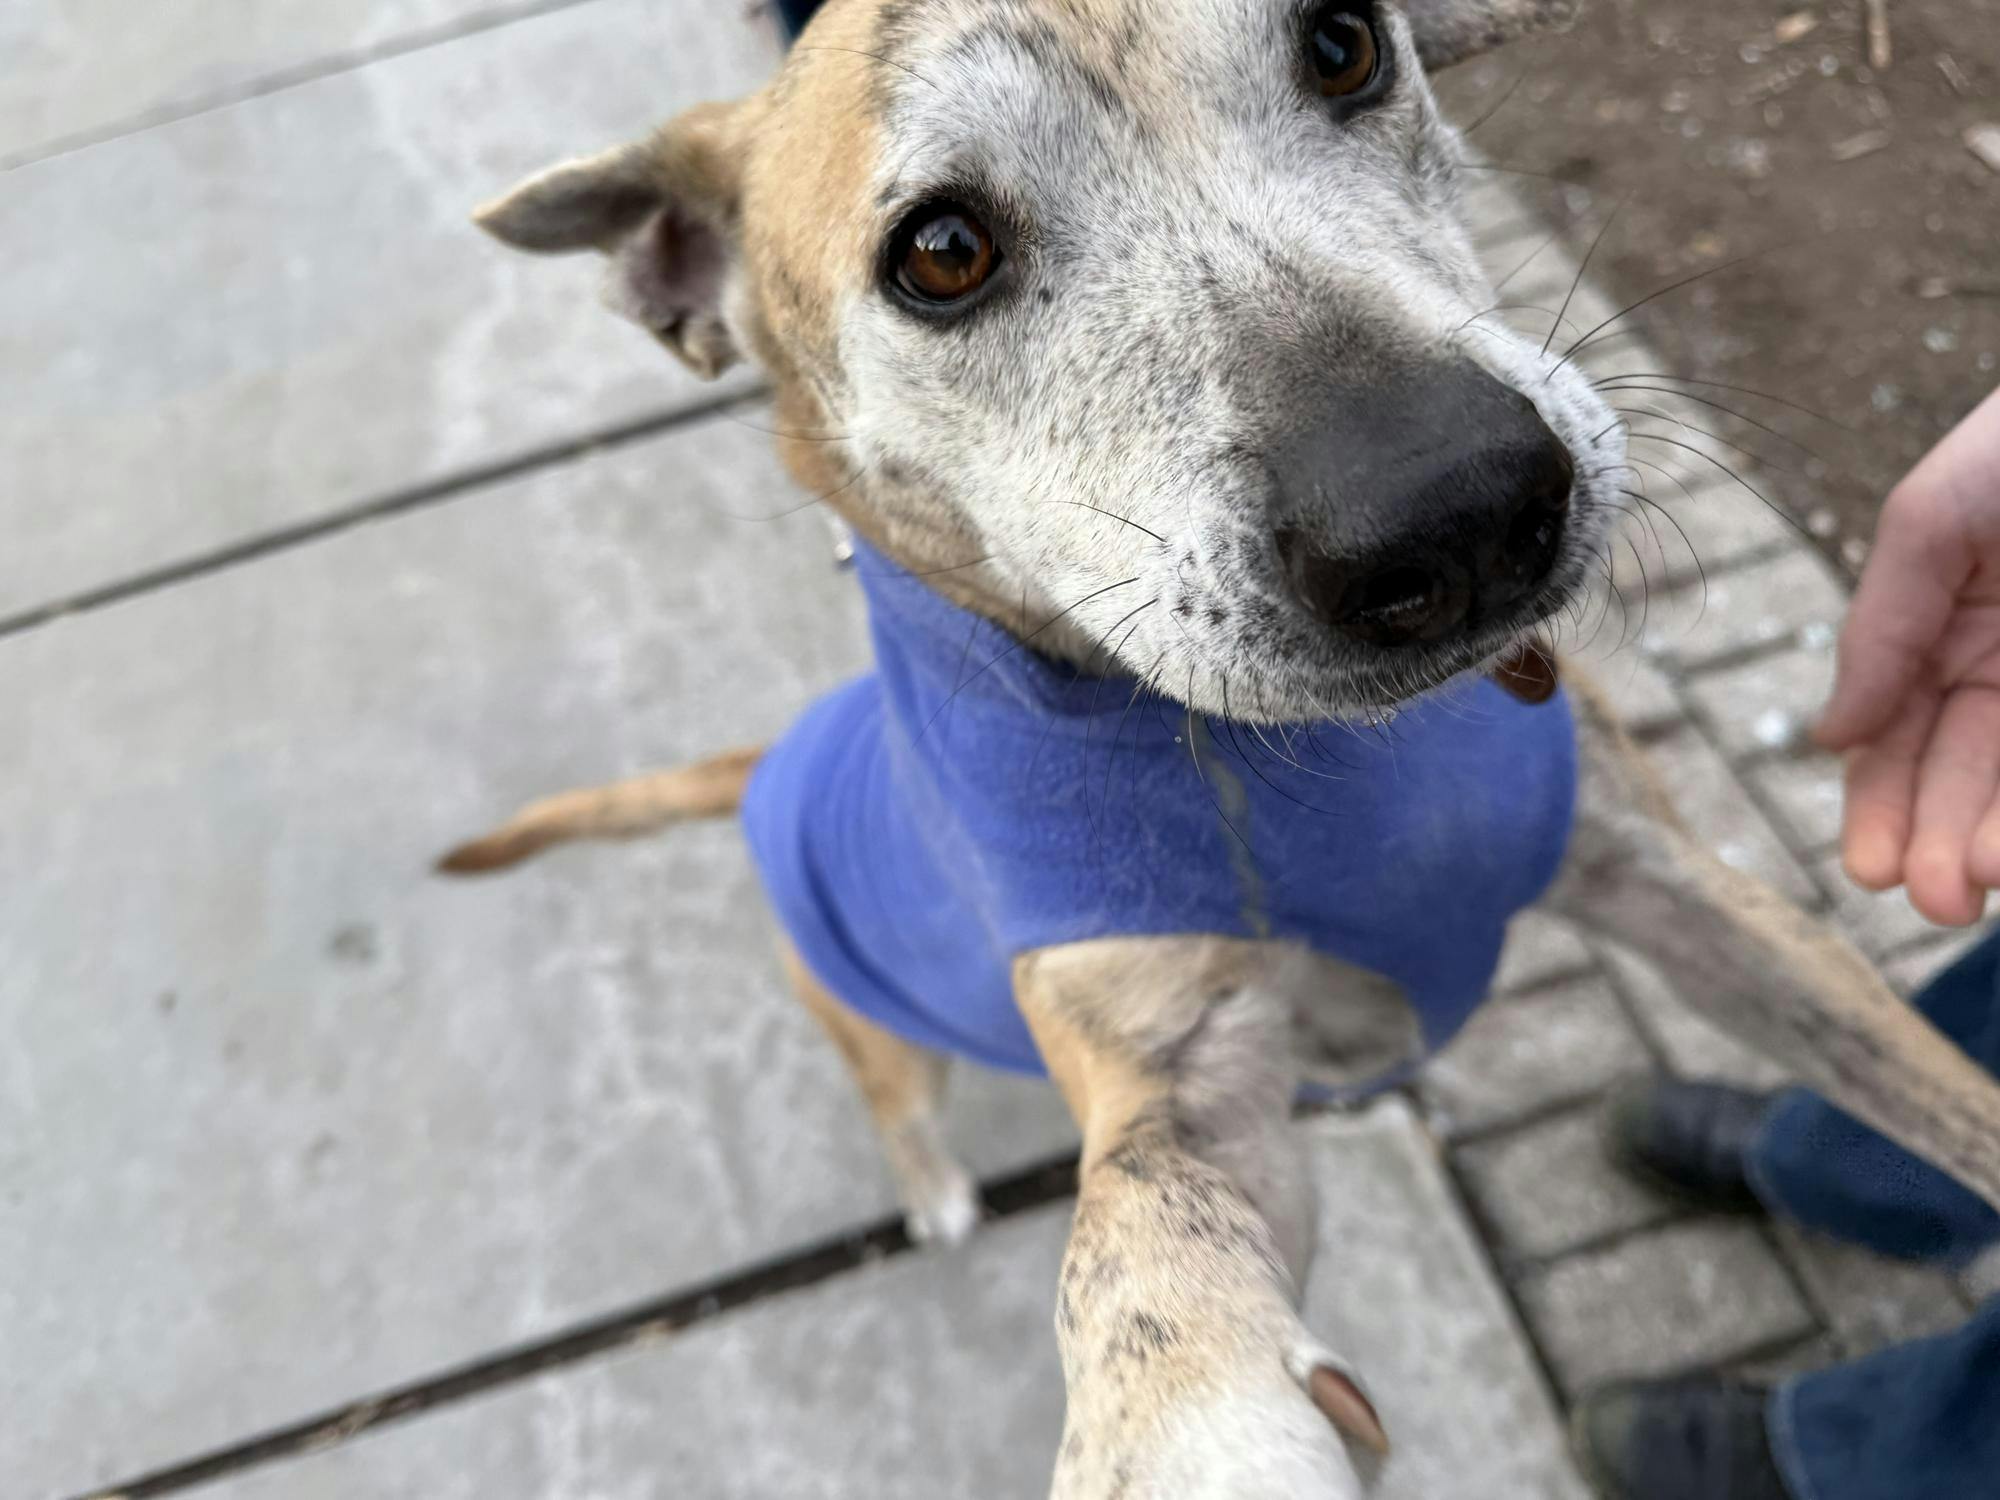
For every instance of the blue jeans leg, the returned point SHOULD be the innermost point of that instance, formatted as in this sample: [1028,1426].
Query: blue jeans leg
[1823,1169]
[1917,1422]
[1920,1421]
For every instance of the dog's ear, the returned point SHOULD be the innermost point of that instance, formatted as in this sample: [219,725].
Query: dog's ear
[1450,31]
[664,211]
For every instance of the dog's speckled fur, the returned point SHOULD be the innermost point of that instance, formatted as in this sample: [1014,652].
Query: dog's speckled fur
[1200,260]
[1205,268]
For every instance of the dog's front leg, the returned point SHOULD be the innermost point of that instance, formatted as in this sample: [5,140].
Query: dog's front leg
[1761,968]
[1188,1371]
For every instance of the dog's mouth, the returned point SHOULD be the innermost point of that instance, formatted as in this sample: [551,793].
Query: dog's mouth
[1521,663]
[1517,654]
[1310,672]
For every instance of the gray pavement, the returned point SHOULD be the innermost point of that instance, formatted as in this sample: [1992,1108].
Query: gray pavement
[333,532]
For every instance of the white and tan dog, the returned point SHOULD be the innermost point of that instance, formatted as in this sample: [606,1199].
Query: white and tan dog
[1094,290]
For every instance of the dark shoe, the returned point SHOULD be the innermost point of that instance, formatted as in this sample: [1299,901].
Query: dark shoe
[1689,1139]
[1692,1439]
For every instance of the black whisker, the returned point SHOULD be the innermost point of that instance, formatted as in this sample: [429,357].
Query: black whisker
[896,573]
[1695,429]
[1090,719]
[1111,755]
[1577,280]
[958,673]
[1202,776]
[1643,519]
[878,57]
[1686,541]
[1016,645]
[1512,89]
[791,510]
[1645,590]
[1771,505]
[1535,254]
[1085,505]
[1494,166]
[1728,411]
[796,437]
[1611,589]
[1500,307]
[1663,291]
[1229,725]
[1606,381]
[1647,463]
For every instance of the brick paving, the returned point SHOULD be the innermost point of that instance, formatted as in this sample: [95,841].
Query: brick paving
[317,1149]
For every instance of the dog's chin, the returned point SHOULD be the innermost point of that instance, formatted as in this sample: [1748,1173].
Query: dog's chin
[1394,679]
[1414,675]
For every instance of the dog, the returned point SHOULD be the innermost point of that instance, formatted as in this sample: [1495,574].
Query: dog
[1140,346]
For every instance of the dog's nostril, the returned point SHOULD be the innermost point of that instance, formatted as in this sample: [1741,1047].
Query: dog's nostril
[1290,542]
[1399,591]
[1401,604]
[1535,530]
[1379,602]
[1534,535]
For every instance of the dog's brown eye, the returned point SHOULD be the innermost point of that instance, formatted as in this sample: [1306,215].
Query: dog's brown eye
[943,254]
[1344,54]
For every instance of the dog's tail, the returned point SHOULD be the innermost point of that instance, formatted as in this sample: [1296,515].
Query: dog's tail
[712,788]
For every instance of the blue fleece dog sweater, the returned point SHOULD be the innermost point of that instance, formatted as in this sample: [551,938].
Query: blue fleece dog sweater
[970,800]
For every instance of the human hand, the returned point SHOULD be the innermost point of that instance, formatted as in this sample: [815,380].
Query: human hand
[1916,694]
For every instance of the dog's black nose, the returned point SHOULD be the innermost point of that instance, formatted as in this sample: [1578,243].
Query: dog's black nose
[1445,514]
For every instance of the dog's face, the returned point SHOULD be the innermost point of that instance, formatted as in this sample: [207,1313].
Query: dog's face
[1147,328]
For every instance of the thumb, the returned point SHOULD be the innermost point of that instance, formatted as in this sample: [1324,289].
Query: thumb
[1899,616]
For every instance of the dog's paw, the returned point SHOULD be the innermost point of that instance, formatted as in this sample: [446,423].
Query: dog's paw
[944,1210]
[1259,1446]
[1300,1427]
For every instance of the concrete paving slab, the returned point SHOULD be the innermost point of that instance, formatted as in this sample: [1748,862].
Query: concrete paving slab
[1551,1187]
[1693,1046]
[1721,813]
[935,1374]
[1766,706]
[1695,1294]
[1642,694]
[75,68]
[284,1119]
[1807,797]
[1529,1052]
[1403,1286]
[1872,1302]
[1791,599]
[1882,922]
[1801,1358]
[295,315]
[1539,949]
[1693,524]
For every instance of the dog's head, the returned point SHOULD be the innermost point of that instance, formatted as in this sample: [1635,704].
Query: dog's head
[1147,329]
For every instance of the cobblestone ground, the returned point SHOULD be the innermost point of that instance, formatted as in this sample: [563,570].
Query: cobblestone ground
[333,533]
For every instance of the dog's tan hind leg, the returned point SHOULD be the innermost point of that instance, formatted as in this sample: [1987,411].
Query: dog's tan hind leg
[1755,964]
[902,1084]
[711,788]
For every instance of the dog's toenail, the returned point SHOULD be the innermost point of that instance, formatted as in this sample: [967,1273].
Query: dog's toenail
[1340,1400]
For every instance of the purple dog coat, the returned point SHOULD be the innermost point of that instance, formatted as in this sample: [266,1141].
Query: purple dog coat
[968,801]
